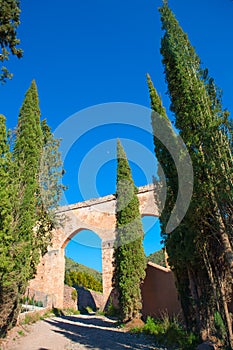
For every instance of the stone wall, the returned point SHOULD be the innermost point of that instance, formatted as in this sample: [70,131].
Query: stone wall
[90,298]
[69,301]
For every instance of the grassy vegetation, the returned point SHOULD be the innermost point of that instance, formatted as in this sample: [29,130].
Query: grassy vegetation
[33,317]
[168,333]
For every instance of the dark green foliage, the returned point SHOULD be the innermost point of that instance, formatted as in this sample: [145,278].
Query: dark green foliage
[26,223]
[9,22]
[157,258]
[6,218]
[71,265]
[197,247]
[8,271]
[129,257]
[27,154]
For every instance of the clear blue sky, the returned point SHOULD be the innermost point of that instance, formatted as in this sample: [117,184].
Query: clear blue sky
[87,52]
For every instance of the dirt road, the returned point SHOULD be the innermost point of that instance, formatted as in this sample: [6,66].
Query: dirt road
[76,333]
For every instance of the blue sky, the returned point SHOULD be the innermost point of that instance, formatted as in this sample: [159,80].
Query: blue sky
[86,52]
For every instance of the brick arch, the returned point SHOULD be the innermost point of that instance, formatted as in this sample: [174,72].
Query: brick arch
[97,215]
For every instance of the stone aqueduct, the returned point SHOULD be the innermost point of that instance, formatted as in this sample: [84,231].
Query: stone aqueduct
[97,215]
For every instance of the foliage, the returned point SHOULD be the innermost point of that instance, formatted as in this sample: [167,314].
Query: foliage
[9,22]
[71,265]
[74,295]
[129,257]
[25,222]
[31,301]
[112,310]
[157,257]
[76,278]
[32,318]
[199,250]
[168,333]
[219,325]
[8,272]
[70,311]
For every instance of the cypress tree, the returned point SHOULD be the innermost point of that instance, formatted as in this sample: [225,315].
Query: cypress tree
[7,264]
[205,129]
[30,190]
[129,256]
[174,242]
[50,187]
[27,153]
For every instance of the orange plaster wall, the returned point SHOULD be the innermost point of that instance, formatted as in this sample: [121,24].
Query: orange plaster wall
[159,293]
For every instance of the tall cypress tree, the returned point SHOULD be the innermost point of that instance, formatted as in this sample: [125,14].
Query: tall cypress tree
[50,186]
[7,263]
[129,256]
[30,189]
[204,127]
[27,153]
[175,241]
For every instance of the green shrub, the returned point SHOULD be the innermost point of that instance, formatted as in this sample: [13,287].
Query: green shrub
[169,333]
[112,311]
[74,295]
[70,311]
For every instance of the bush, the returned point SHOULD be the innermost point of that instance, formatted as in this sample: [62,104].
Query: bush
[169,333]
[31,318]
[74,295]
[112,311]
[70,311]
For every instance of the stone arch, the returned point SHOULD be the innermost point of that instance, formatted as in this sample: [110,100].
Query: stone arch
[74,233]
[97,215]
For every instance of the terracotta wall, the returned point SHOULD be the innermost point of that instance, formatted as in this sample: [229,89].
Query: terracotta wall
[159,293]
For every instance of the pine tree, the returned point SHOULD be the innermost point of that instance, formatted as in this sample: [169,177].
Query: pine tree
[204,127]
[129,256]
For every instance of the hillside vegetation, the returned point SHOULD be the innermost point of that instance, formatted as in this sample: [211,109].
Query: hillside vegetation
[79,275]
[157,258]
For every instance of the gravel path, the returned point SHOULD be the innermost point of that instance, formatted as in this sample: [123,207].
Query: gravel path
[77,333]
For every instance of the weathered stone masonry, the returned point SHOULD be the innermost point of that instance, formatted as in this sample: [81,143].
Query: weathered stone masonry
[97,215]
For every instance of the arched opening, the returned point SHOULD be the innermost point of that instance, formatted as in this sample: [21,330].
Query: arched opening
[83,267]
[84,247]
[153,246]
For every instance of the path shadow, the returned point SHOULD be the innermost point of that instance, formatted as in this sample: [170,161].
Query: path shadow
[94,321]
[94,334]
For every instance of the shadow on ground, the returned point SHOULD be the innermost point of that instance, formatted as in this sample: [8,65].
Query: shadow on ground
[97,333]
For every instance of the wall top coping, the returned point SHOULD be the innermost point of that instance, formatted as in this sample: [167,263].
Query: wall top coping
[100,200]
[158,267]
